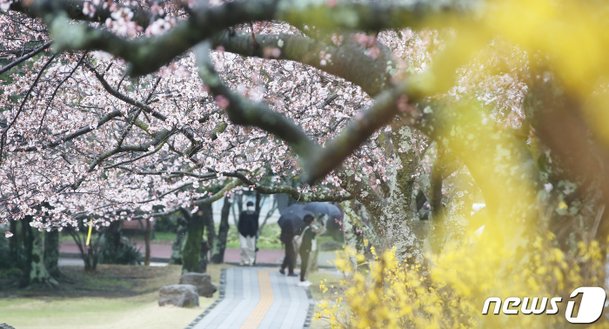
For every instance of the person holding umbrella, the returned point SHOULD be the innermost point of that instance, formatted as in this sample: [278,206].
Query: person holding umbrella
[291,223]
[329,211]
[307,246]
[288,231]
[328,219]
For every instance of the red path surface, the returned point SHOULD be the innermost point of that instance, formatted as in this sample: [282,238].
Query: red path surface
[162,252]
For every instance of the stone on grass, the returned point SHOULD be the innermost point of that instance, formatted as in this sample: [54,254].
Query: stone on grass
[200,280]
[5,326]
[181,295]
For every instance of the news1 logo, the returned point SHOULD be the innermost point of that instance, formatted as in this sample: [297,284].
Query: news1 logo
[590,307]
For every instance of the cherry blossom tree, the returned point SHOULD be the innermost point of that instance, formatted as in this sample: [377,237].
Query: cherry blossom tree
[167,157]
[113,109]
[193,162]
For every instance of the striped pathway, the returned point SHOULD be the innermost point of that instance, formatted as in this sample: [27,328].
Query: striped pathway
[257,297]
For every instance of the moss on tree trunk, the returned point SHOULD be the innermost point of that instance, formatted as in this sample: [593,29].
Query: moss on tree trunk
[51,253]
[38,273]
[218,256]
[191,253]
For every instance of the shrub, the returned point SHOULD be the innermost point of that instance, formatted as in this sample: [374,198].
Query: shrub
[449,290]
[124,252]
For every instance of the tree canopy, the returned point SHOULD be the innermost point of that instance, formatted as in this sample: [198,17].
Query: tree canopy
[113,107]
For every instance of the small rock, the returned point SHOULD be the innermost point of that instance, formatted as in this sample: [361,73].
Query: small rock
[5,326]
[182,295]
[200,280]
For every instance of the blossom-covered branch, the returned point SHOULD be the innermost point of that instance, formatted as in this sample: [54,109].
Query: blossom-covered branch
[352,61]
[242,111]
[317,161]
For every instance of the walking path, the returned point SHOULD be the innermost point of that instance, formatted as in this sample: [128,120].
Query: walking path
[249,297]
[257,297]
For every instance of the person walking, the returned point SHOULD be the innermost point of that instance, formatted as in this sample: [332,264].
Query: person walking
[248,229]
[307,246]
[288,231]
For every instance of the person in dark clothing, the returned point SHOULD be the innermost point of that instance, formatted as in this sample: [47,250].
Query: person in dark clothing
[307,245]
[287,237]
[248,230]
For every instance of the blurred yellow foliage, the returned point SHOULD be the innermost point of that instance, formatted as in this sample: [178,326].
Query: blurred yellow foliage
[513,255]
[568,37]
[450,290]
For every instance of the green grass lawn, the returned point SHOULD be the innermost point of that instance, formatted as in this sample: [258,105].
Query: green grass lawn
[268,239]
[94,313]
[117,296]
[167,237]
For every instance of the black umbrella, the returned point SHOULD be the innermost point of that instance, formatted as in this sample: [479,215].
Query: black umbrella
[324,208]
[334,223]
[292,217]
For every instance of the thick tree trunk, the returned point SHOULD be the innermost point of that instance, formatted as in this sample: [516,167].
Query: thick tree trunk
[237,207]
[410,161]
[206,246]
[258,202]
[208,221]
[218,256]
[35,253]
[16,244]
[390,210]
[191,253]
[38,273]
[112,238]
[178,243]
[112,249]
[51,253]
[28,245]
[509,187]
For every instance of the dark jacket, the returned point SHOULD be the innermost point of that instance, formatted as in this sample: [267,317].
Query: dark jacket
[289,228]
[248,223]
[307,239]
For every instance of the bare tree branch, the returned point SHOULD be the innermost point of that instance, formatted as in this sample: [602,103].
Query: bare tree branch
[159,138]
[77,133]
[25,57]
[147,55]
[21,107]
[57,89]
[290,190]
[124,97]
[74,10]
